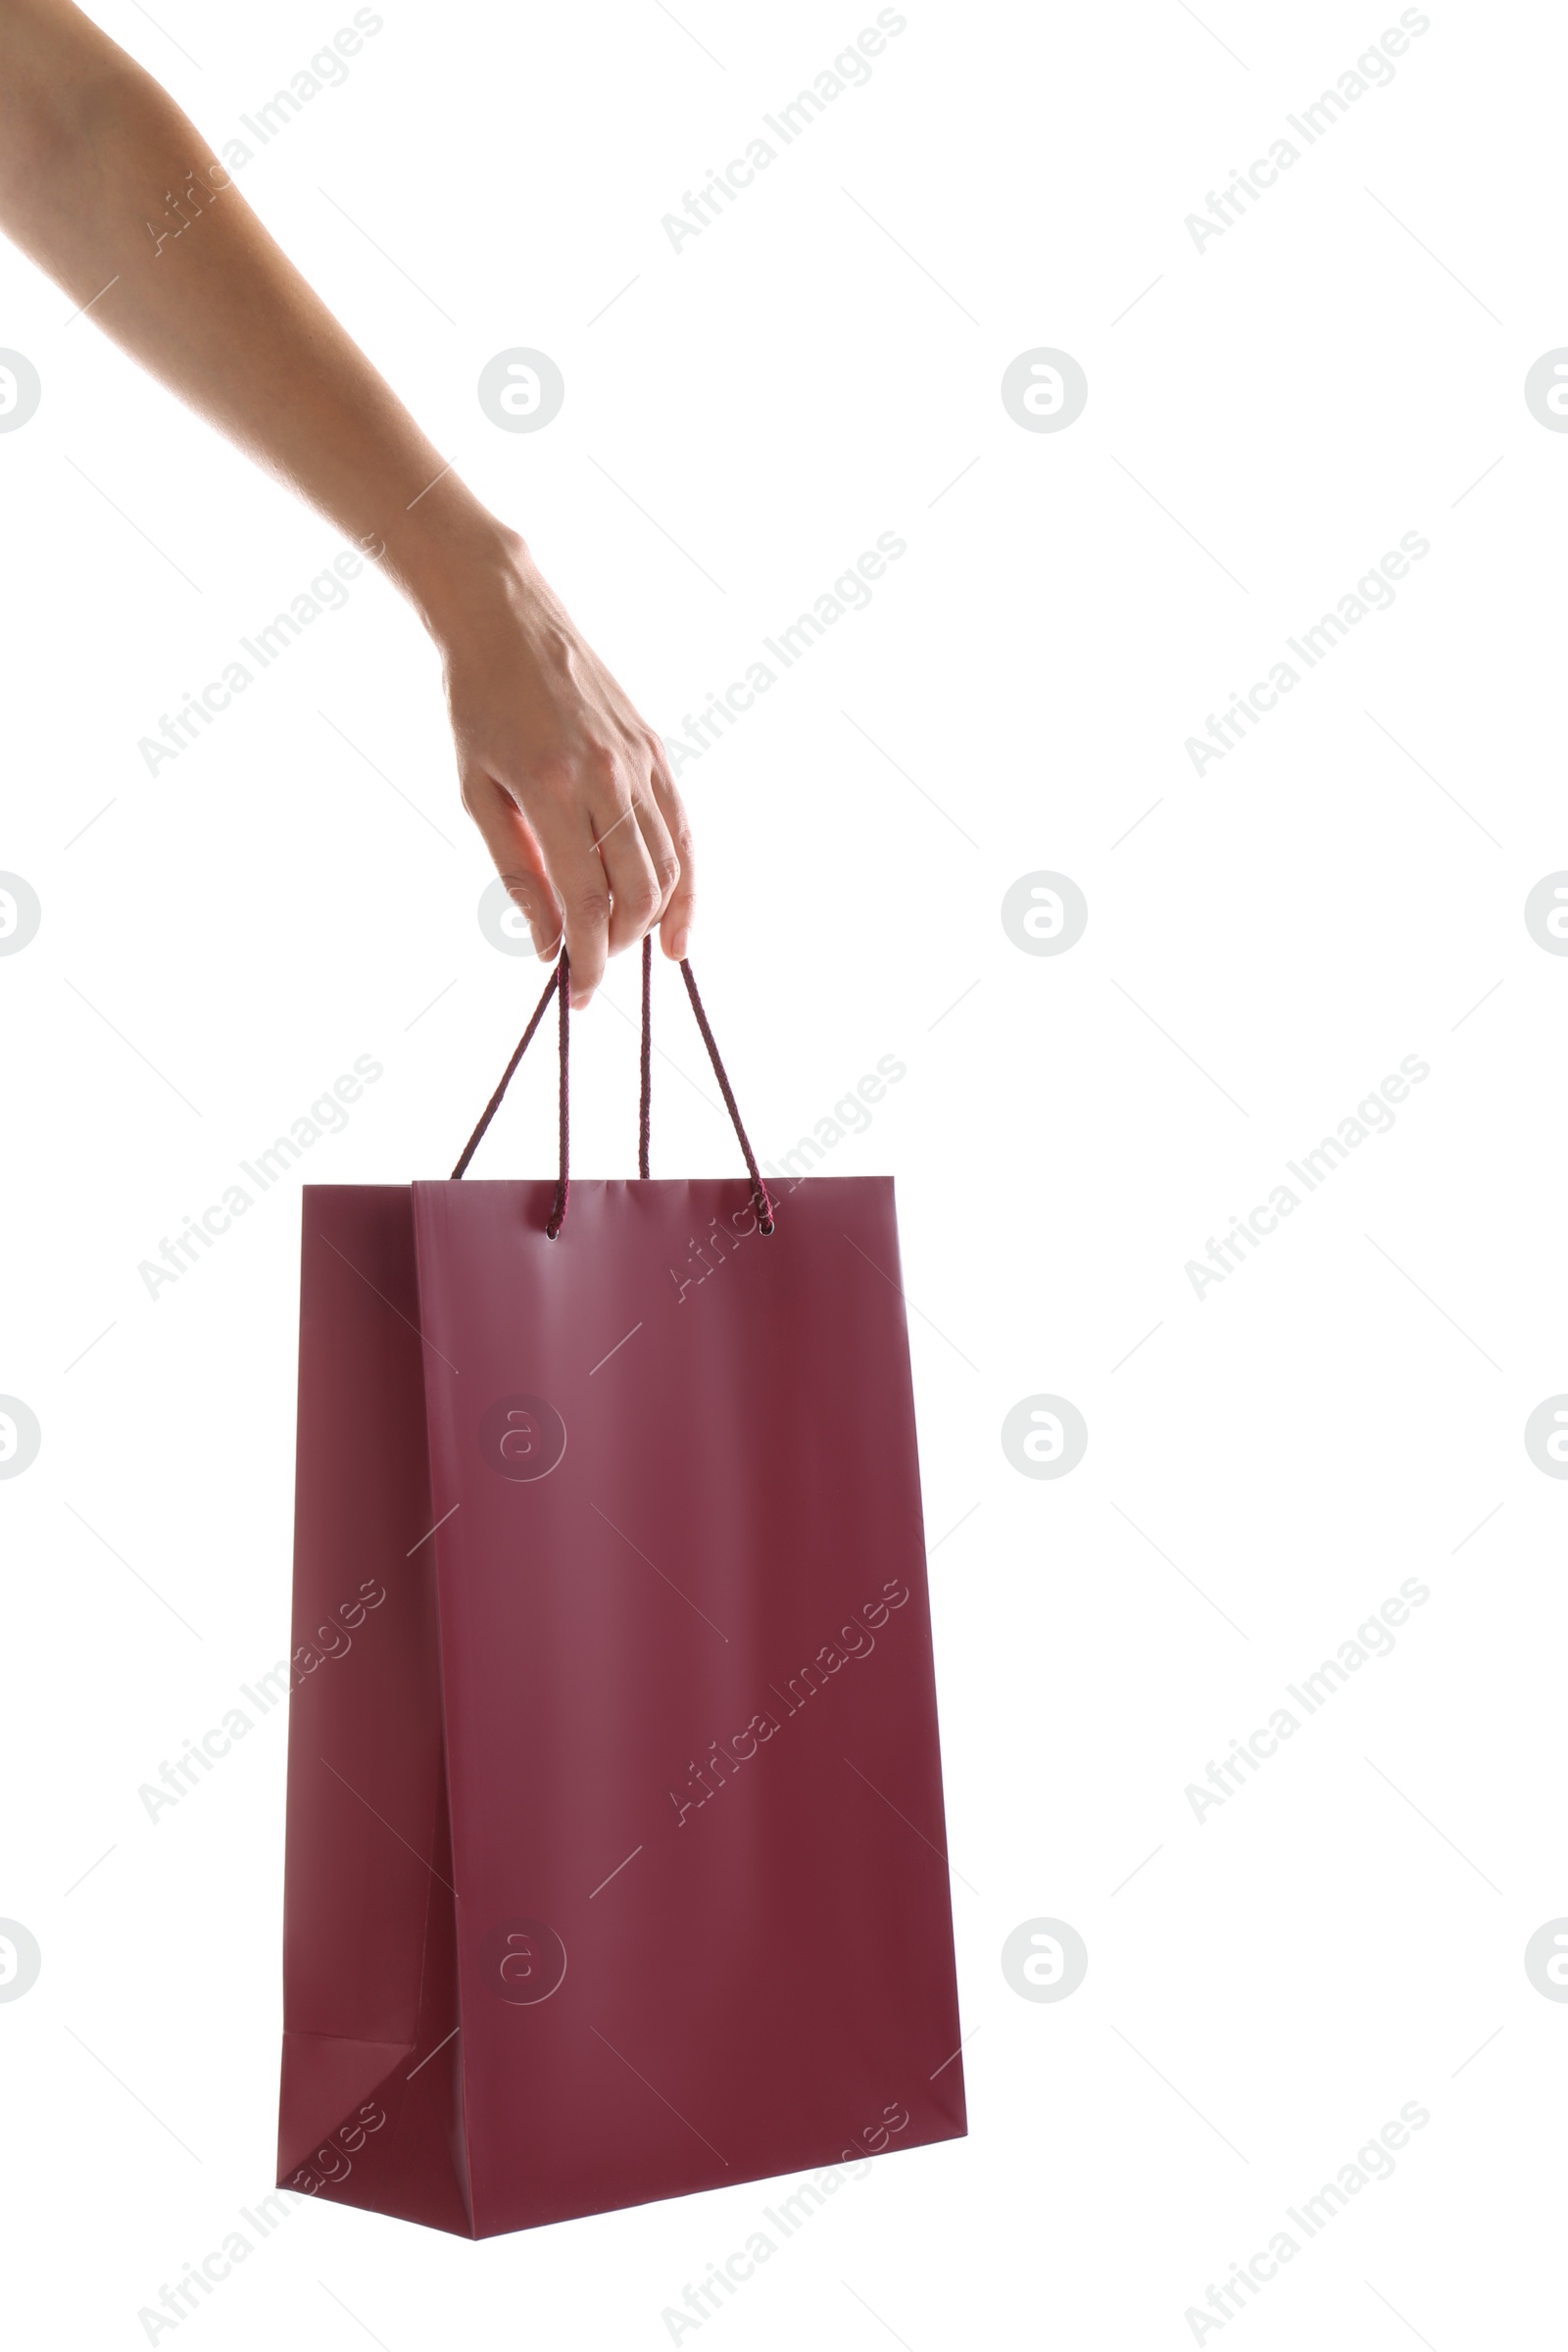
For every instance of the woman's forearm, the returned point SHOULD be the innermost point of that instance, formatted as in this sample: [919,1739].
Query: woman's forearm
[112,191]
[98,170]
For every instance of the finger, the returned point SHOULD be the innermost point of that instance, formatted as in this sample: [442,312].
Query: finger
[518,859]
[581,888]
[660,851]
[635,890]
[675,923]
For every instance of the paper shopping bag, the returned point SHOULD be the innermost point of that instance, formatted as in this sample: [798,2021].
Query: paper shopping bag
[616,1853]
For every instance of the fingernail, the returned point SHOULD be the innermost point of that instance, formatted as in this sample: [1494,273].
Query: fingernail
[677,945]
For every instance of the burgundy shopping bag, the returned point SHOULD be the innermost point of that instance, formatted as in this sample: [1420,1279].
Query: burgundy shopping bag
[615,1862]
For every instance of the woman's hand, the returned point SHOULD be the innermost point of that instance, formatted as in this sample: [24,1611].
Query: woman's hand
[567,783]
[568,786]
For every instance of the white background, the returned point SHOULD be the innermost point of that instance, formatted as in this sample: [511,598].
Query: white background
[1343,365]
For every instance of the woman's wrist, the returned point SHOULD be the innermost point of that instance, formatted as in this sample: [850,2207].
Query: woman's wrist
[457,565]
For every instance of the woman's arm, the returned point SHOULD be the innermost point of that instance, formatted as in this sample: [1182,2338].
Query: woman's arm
[568,784]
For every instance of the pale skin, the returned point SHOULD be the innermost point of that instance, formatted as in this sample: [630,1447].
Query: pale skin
[567,783]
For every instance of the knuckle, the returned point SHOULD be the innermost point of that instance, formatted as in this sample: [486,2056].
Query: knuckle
[590,908]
